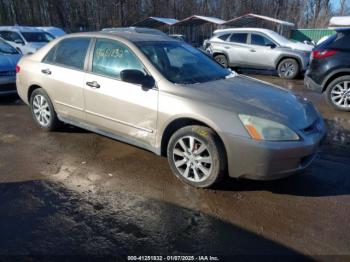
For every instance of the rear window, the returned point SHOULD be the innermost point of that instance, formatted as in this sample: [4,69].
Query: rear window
[327,42]
[239,38]
[69,52]
[341,41]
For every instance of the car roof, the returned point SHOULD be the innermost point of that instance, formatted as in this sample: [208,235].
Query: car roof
[21,28]
[243,29]
[343,29]
[130,36]
[134,30]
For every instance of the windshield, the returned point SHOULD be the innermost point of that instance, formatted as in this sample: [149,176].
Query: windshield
[180,63]
[37,37]
[279,38]
[7,49]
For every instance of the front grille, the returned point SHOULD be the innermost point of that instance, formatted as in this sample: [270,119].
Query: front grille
[7,73]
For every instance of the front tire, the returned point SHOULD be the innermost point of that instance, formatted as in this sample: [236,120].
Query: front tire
[197,156]
[222,60]
[288,68]
[42,110]
[338,93]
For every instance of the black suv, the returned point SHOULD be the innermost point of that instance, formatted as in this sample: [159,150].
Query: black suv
[329,70]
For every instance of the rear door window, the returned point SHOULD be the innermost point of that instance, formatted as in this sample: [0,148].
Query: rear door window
[111,57]
[239,38]
[70,52]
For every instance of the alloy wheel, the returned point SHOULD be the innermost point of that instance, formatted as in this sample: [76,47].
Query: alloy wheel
[340,94]
[287,69]
[41,110]
[192,159]
[221,60]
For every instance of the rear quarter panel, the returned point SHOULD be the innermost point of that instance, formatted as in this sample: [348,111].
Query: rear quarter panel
[26,77]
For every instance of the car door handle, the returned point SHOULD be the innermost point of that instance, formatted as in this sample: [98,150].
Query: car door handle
[252,50]
[46,71]
[227,47]
[93,84]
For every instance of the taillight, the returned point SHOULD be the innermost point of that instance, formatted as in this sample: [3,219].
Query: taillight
[17,69]
[319,54]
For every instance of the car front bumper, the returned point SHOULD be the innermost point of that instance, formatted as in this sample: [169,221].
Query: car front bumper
[263,160]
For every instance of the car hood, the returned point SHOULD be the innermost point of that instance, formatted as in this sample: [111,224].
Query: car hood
[300,46]
[245,95]
[8,62]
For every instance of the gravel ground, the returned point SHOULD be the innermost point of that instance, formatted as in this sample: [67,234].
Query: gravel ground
[76,193]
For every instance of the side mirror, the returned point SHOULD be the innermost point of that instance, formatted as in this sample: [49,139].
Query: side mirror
[272,46]
[137,77]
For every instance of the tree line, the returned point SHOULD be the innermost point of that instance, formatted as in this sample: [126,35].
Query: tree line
[73,15]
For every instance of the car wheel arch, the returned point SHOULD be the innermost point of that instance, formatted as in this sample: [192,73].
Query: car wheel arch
[31,90]
[334,76]
[221,53]
[178,123]
[288,57]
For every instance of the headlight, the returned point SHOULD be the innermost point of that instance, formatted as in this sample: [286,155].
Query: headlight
[263,129]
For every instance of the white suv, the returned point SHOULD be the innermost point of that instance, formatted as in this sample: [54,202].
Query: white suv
[260,49]
[26,39]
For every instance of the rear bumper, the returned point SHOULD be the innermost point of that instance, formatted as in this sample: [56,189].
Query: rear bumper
[312,85]
[272,160]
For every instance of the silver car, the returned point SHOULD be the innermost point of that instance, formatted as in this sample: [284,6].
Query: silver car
[24,38]
[165,96]
[260,49]
[9,57]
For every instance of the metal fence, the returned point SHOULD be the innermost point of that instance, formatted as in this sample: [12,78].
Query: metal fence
[310,34]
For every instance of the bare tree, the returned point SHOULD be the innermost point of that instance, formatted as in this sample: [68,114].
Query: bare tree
[96,14]
[344,7]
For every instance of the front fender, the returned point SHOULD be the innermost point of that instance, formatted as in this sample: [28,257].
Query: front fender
[303,61]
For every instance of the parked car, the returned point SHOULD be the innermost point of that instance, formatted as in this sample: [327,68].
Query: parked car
[165,96]
[260,49]
[26,39]
[329,71]
[54,31]
[9,57]
[132,29]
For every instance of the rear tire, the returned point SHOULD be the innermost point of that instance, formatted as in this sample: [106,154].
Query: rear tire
[288,68]
[338,93]
[196,156]
[43,112]
[222,60]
